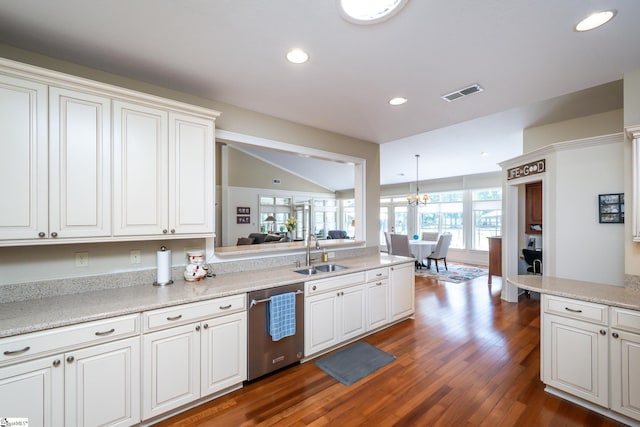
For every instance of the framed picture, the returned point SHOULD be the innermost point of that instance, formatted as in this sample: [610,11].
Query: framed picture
[241,210]
[243,219]
[611,208]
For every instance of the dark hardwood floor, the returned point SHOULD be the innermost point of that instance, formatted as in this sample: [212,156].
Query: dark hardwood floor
[468,359]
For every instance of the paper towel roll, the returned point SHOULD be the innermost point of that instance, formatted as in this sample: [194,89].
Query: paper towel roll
[163,274]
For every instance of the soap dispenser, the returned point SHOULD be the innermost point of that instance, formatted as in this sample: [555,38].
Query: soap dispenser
[325,255]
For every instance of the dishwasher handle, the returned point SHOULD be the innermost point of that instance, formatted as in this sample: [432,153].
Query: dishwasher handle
[256,302]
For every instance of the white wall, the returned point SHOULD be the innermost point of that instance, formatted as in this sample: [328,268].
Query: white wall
[584,248]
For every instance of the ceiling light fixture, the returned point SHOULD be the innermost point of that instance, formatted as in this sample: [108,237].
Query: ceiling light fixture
[397,100]
[417,199]
[369,11]
[297,56]
[595,20]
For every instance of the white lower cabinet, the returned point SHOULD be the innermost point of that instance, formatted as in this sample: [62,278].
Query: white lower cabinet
[576,356]
[334,311]
[592,351]
[377,298]
[625,362]
[184,363]
[93,386]
[402,284]
[102,385]
[34,390]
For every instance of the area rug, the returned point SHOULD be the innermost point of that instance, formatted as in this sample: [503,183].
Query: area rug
[455,273]
[355,362]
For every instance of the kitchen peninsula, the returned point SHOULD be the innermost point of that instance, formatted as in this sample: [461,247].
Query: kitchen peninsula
[590,343]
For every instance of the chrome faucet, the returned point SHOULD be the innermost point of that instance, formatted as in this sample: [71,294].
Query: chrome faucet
[308,259]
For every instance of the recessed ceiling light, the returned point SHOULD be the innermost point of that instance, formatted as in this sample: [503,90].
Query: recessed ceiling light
[297,56]
[369,11]
[484,153]
[595,20]
[397,100]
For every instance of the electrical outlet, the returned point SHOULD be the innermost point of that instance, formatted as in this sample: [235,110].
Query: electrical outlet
[331,255]
[82,259]
[135,257]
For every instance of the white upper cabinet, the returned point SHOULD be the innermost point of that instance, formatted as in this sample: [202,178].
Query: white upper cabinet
[191,174]
[82,161]
[23,159]
[140,169]
[163,172]
[80,164]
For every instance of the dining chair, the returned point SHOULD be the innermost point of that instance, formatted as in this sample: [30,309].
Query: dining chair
[440,251]
[400,246]
[431,236]
[388,241]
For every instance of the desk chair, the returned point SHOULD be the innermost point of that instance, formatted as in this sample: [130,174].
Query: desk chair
[534,260]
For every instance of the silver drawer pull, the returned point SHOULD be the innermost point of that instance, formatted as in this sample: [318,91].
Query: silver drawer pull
[226,307]
[103,333]
[572,310]
[14,352]
[378,283]
[379,274]
[179,316]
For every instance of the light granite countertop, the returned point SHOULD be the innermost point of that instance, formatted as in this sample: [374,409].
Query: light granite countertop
[45,313]
[617,296]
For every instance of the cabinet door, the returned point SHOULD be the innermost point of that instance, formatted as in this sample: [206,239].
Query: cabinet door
[191,174]
[402,291]
[80,164]
[321,322]
[102,385]
[352,312]
[625,373]
[34,390]
[23,159]
[533,207]
[224,352]
[377,303]
[575,358]
[140,168]
[171,369]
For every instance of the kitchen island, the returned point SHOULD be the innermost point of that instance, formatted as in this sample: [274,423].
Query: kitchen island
[590,343]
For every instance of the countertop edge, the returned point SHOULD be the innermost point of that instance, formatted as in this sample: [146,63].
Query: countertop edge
[616,296]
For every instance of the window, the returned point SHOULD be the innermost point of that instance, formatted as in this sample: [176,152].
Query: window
[444,214]
[487,216]
[349,216]
[325,214]
[278,207]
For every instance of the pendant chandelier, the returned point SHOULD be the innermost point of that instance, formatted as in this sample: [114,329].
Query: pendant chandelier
[417,199]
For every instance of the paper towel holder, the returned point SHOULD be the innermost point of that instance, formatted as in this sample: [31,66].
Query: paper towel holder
[155,283]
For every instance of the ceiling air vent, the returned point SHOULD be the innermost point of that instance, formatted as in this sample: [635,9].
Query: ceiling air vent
[462,92]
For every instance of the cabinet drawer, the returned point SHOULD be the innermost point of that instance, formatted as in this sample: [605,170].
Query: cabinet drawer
[185,313]
[575,309]
[27,346]
[628,320]
[377,274]
[324,285]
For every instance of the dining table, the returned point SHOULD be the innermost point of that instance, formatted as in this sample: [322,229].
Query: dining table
[421,249]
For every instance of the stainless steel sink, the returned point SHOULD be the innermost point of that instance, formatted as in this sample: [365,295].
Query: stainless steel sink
[307,271]
[326,268]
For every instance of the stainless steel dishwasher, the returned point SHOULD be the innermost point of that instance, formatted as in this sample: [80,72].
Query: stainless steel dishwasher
[264,354]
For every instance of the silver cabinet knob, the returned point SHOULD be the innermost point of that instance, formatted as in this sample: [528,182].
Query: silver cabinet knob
[41,234]
[173,231]
[54,234]
[56,363]
[70,359]
[603,332]
[198,328]
[165,231]
[206,326]
[313,288]
[615,335]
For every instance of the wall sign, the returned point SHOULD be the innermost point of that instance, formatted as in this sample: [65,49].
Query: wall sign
[611,208]
[532,168]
